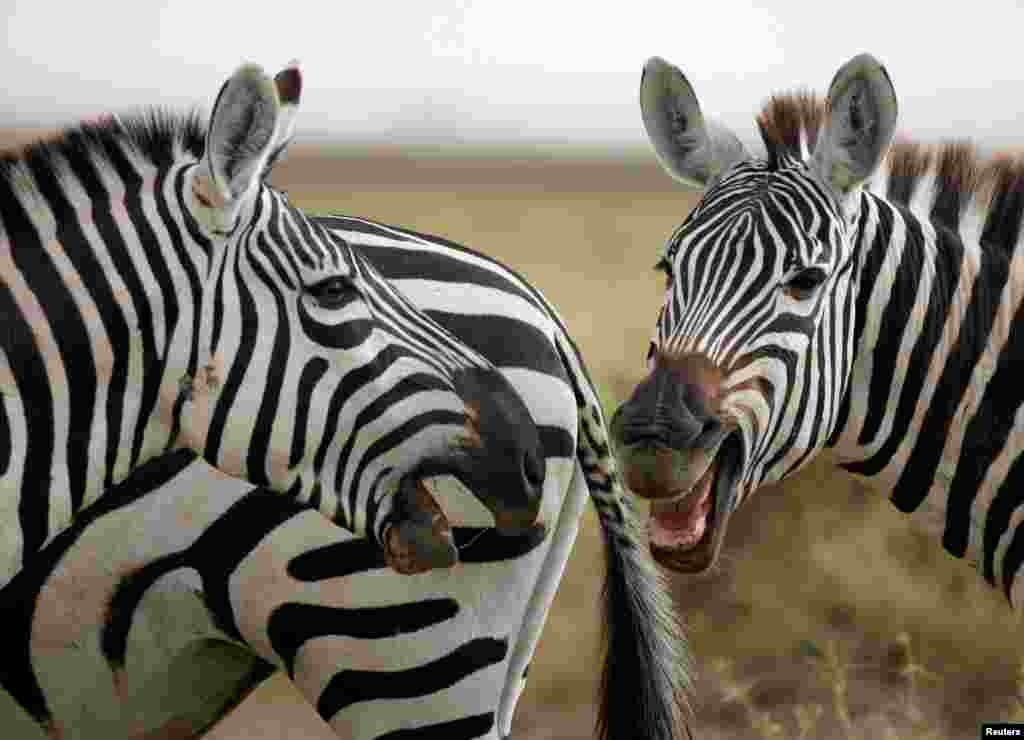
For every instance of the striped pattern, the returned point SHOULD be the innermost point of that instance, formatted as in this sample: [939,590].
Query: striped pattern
[440,654]
[901,357]
[756,228]
[375,652]
[148,306]
[939,421]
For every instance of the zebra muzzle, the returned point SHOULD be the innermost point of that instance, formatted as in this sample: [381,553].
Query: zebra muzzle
[419,537]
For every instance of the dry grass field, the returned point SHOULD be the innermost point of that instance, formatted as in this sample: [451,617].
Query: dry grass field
[831,615]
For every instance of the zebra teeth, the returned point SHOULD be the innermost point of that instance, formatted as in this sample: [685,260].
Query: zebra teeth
[686,531]
[681,522]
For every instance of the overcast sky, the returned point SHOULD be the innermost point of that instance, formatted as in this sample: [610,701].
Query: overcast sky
[511,71]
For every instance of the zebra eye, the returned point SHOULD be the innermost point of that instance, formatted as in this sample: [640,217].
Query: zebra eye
[803,284]
[333,292]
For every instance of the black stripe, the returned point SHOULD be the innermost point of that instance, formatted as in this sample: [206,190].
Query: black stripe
[336,560]
[948,263]
[36,265]
[154,358]
[250,325]
[215,555]
[350,384]
[465,728]
[218,307]
[417,263]
[985,437]
[408,323]
[82,378]
[400,391]
[505,342]
[195,232]
[19,597]
[389,441]
[29,371]
[291,625]
[306,238]
[872,257]
[291,237]
[271,246]
[119,252]
[895,320]
[5,437]
[997,518]
[345,336]
[195,296]
[351,687]
[312,372]
[556,441]
[257,456]
[919,472]
[1012,561]
[125,601]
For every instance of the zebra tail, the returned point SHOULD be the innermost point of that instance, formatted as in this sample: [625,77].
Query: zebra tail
[645,682]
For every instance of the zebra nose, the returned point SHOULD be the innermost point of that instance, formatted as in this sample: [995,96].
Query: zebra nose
[665,411]
[506,470]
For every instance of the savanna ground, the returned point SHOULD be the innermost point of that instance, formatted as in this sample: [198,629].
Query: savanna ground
[831,615]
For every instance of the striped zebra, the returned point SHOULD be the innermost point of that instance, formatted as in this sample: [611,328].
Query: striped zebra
[208,584]
[840,294]
[156,293]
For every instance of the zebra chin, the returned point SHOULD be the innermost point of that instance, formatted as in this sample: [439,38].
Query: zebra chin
[693,495]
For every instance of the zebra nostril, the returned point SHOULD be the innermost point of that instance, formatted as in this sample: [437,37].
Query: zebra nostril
[533,470]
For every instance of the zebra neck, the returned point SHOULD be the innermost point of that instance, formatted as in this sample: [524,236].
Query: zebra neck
[935,313]
[102,276]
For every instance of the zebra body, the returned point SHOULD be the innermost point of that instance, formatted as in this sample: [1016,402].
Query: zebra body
[156,293]
[180,623]
[444,651]
[841,295]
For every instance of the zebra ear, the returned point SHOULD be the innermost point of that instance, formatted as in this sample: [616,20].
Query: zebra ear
[289,88]
[244,129]
[860,118]
[691,149]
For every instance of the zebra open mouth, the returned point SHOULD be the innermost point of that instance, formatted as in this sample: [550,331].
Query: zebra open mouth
[686,532]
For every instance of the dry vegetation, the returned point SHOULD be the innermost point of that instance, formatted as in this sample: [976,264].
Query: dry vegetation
[830,617]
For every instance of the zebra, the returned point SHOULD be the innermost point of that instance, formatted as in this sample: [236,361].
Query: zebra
[854,292]
[157,293]
[209,583]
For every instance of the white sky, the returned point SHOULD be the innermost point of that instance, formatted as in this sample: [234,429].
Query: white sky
[511,71]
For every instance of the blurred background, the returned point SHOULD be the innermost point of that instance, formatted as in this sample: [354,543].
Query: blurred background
[514,129]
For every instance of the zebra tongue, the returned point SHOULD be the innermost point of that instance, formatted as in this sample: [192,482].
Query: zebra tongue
[682,523]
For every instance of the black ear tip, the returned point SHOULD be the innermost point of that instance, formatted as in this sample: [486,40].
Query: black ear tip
[289,85]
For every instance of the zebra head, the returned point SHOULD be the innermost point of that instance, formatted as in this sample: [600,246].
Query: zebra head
[753,345]
[319,378]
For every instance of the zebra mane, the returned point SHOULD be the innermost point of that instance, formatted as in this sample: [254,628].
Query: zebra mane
[957,177]
[156,135]
[789,124]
